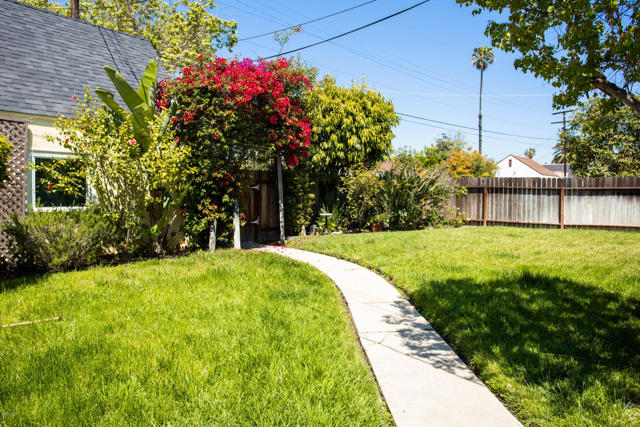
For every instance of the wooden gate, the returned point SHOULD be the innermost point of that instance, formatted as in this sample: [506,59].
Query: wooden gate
[13,193]
[261,209]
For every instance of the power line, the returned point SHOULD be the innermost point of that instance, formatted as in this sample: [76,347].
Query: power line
[349,32]
[109,49]
[307,22]
[469,127]
[489,138]
[404,70]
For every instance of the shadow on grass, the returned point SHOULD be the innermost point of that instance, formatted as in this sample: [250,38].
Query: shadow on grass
[542,331]
[12,283]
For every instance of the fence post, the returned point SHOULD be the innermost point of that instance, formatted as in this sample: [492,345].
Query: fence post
[485,199]
[236,226]
[280,198]
[562,207]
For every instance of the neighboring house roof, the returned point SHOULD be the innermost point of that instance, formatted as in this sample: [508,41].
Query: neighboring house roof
[46,58]
[558,168]
[536,166]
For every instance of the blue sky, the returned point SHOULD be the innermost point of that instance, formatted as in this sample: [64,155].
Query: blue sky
[421,60]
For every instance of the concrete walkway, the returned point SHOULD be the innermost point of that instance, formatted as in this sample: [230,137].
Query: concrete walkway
[423,381]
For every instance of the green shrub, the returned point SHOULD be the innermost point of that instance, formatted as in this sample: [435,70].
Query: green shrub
[5,151]
[299,198]
[361,191]
[57,241]
[414,198]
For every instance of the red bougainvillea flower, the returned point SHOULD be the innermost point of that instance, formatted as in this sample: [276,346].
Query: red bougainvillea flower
[256,103]
[132,142]
[49,186]
[73,97]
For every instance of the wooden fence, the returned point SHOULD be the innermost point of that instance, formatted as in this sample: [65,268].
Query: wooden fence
[13,192]
[611,203]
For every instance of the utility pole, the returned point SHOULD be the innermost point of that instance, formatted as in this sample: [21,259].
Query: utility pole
[74,5]
[564,143]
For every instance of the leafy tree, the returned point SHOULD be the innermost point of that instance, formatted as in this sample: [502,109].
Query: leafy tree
[431,157]
[469,163]
[5,151]
[602,139]
[481,58]
[231,113]
[179,31]
[530,152]
[577,45]
[352,127]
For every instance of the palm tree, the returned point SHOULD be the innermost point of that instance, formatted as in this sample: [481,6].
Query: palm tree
[481,58]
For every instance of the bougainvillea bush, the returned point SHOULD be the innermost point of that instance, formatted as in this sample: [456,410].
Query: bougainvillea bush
[232,114]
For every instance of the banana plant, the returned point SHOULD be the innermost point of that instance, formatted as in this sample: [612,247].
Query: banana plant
[141,103]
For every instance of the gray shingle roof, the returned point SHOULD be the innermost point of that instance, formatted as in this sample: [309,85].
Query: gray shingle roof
[46,58]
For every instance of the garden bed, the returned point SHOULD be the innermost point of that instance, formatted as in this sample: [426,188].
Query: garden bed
[549,319]
[228,338]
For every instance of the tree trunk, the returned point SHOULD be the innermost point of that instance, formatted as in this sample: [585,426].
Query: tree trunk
[280,197]
[236,226]
[480,115]
[616,92]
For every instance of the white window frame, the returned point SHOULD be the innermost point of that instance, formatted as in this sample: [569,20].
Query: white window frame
[31,184]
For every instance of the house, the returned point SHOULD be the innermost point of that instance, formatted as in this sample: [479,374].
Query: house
[524,167]
[46,61]
[558,168]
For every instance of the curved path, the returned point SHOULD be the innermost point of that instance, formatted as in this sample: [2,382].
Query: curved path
[422,380]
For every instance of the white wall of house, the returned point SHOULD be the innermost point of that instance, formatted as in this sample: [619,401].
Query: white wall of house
[510,167]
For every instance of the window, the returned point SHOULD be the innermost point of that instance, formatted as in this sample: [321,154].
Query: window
[509,162]
[54,169]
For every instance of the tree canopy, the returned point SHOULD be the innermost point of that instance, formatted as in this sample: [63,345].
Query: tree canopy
[602,139]
[462,163]
[179,31]
[482,57]
[352,126]
[433,156]
[576,45]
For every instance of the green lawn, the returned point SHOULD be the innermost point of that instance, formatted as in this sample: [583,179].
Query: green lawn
[549,319]
[228,338]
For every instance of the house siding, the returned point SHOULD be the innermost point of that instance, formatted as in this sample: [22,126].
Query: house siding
[517,169]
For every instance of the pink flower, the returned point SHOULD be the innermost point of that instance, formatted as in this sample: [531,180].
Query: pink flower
[73,97]
[132,142]
[49,186]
